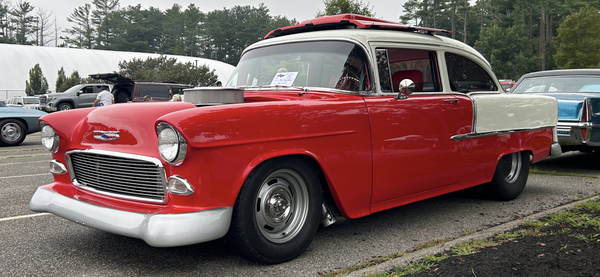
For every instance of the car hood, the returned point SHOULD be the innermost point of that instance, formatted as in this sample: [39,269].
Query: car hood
[570,105]
[20,112]
[134,122]
[50,95]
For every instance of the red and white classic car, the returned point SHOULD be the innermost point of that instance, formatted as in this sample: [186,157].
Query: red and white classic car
[335,118]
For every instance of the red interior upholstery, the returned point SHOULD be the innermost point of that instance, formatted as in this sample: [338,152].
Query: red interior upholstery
[415,75]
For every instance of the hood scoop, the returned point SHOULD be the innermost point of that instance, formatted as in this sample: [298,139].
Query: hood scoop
[209,96]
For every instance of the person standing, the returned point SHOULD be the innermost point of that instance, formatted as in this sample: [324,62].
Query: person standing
[104,98]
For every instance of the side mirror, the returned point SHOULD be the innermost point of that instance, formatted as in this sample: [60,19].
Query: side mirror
[406,86]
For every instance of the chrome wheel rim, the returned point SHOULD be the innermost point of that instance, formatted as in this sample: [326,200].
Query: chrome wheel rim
[11,132]
[512,167]
[281,206]
[64,107]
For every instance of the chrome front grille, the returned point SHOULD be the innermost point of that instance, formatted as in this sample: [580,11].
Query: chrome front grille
[120,175]
[43,99]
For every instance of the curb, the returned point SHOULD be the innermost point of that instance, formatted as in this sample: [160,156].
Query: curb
[447,246]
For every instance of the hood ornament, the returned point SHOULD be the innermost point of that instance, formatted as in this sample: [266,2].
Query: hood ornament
[106,135]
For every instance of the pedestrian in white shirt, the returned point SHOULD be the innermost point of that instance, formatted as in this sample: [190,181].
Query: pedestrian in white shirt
[104,98]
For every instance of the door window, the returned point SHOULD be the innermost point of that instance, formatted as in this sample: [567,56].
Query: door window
[395,65]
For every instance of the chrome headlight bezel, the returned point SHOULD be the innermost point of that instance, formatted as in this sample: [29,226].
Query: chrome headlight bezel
[172,147]
[49,138]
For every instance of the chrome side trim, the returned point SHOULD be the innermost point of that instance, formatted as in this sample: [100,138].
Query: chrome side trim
[496,133]
[159,230]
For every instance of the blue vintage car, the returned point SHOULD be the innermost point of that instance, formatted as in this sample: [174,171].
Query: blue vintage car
[578,95]
[17,123]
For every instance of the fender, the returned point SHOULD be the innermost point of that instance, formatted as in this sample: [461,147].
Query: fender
[240,136]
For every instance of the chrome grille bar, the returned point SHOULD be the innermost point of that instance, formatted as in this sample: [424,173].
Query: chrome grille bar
[116,174]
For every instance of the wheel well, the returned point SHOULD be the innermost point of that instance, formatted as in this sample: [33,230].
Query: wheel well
[70,102]
[328,199]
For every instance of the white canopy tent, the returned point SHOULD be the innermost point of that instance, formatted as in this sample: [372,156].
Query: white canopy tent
[17,60]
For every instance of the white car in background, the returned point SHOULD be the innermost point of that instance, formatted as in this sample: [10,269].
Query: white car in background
[30,102]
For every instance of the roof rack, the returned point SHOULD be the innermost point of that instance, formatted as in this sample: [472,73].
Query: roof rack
[348,21]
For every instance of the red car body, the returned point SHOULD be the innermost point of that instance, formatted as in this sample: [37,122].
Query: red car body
[368,152]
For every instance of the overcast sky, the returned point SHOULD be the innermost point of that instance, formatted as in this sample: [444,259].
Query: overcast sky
[302,10]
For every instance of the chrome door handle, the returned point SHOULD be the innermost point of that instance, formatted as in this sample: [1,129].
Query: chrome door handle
[453,101]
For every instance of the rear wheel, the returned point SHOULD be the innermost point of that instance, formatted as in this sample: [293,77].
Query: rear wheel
[12,132]
[122,96]
[277,212]
[510,177]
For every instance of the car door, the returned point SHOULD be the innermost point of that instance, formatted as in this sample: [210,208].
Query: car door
[412,147]
[87,96]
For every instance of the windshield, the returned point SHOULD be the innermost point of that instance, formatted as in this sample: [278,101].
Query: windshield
[331,64]
[559,84]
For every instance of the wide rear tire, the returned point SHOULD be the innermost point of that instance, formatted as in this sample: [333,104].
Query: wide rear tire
[277,212]
[510,177]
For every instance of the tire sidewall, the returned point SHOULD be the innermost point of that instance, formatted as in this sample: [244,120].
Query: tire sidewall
[61,105]
[500,189]
[249,239]
[121,96]
[18,141]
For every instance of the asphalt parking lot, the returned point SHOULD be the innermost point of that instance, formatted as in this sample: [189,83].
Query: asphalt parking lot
[39,244]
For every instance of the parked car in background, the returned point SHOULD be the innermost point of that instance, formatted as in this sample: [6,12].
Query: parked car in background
[578,95]
[16,123]
[78,96]
[338,117]
[128,90]
[30,102]
[507,84]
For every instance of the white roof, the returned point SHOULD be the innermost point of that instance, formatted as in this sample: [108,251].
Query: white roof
[17,60]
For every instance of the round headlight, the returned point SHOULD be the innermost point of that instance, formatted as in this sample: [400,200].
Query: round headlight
[50,138]
[171,146]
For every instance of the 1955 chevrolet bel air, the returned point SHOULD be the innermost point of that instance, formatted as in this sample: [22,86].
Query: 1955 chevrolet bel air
[335,118]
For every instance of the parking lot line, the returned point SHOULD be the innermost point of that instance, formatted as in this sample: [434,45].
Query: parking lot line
[20,176]
[22,216]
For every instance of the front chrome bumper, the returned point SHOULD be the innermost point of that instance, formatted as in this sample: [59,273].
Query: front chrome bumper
[159,230]
[48,108]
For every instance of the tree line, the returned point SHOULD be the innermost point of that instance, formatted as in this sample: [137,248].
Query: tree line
[103,24]
[516,36]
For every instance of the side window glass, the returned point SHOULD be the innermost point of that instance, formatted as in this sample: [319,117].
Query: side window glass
[87,89]
[177,90]
[383,66]
[156,91]
[420,66]
[465,75]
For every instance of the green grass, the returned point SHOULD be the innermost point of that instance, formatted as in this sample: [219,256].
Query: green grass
[574,220]
[554,173]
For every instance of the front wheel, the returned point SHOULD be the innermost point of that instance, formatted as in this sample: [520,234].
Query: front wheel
[277,212]
[510,177]
[12,132]
[64,107]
